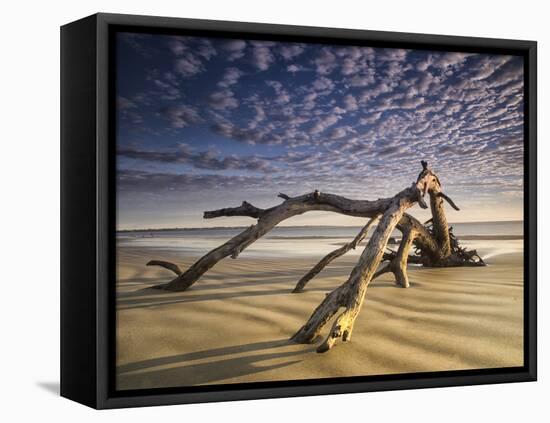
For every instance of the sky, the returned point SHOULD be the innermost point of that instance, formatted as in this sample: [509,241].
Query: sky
[205,123]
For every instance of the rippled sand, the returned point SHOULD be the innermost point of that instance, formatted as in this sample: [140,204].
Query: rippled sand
[234,324]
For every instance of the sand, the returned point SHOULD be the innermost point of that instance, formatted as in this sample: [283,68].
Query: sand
[233,325]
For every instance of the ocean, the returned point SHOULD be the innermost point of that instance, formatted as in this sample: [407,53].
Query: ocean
[489,238]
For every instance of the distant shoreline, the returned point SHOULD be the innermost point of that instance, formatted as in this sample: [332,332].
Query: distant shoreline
[461,238]
[293,227]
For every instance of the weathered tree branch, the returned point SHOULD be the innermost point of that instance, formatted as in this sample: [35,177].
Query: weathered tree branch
[332,256]
[167,265]
[351,294]
[268,219]
[245,209]
[412,231]
[449,200]
[399,260]
[292,206]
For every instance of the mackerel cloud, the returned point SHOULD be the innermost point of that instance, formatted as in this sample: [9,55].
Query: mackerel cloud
[199,114]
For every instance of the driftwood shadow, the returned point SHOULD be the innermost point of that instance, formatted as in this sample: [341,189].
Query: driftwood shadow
[181,372]
[150,297]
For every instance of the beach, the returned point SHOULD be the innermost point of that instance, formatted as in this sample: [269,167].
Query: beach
[234,324]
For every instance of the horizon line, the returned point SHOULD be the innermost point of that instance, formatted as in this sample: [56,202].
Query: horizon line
[174,228]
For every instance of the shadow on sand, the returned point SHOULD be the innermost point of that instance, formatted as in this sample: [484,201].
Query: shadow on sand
[142,374]
[150,297]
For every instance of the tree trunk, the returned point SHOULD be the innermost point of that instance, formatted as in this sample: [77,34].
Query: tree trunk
[440,226]
[351,294]
[398,262]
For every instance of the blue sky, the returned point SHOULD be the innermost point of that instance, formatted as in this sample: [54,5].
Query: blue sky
[205,123]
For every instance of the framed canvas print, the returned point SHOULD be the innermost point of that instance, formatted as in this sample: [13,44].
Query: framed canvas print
[256,211]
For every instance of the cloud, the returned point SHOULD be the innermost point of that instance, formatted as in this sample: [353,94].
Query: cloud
[372,93]
[282,95]
[512,88]
[446,60]
[392,150]
[370,119]
[423,83]
[310,114]
[425,63]
[295,68]
[509,72]
[188,66]
[361,80]
[206,49]
[282,98]
[349,66]
[182,116]
[350,103]
[323,83]
[324,123]
[250,135]
[496,113]
[209,159]
[230,77]
[235,49]
[261,55]
[177,45]
[338,110]
[135,181]
[259,116]
[137,43]
[223,100]
[339,132]
[188,52]
[124,104]
[452,109]
[167,87]
[325,62]
[291,51]
[392,55]
[411,103]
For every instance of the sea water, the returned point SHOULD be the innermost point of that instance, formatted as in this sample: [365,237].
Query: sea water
[491,238]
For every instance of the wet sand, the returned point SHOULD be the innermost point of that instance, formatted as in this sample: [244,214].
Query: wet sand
[234,324]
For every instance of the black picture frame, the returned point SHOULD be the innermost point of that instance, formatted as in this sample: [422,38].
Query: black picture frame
[88,224]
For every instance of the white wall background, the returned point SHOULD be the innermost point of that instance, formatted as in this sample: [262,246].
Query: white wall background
[29,245]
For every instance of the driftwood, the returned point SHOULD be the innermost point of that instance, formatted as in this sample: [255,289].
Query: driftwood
[350,294]
[167,265]
[434,244]
[399,260]
[292,206]
[333,256]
